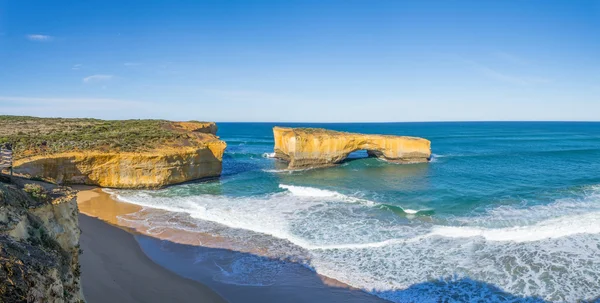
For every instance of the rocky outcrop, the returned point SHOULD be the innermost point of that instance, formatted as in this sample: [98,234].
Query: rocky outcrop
[199,127]
[313,147]
[39,244]
[126,170]
[196,153]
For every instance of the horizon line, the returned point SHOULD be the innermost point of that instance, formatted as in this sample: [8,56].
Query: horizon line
[322,122]
[431,121]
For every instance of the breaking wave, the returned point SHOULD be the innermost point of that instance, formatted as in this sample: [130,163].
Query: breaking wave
[268,155]
[304,191]
[552,254]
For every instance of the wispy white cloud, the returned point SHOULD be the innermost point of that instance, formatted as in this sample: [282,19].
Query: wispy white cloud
[520,80]
[39,38]
[66,101]
[506,77]
[132,63]
[97,78]
[77,67]
[247,95]
[510,58]
[79,107]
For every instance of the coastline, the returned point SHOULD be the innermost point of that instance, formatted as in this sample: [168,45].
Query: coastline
[95,202]
[200,259]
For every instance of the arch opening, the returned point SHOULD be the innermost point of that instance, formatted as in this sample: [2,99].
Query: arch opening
[357,154]
[360,154]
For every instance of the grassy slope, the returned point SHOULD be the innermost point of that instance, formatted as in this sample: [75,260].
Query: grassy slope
[28,135]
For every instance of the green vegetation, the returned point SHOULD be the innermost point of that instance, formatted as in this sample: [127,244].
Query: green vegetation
[38,136]
[319,131]
[39,236]
[36,191]
[315,130]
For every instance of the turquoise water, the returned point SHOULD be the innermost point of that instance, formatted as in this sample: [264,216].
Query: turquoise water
[503,212]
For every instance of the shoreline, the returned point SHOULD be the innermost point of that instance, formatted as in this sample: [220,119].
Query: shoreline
[95,202]
[115,269]
[177,252]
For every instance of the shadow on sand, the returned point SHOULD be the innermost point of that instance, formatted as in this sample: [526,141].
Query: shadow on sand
[245,277]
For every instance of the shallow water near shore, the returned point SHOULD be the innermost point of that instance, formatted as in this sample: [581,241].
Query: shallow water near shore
[504,212]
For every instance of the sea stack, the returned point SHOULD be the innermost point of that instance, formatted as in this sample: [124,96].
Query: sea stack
[317,147]
[118,154]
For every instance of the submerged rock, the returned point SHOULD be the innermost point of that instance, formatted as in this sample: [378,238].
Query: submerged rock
[314,147]
[39,243]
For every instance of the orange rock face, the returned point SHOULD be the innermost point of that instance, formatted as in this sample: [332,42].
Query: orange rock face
[197,155]
[313,147]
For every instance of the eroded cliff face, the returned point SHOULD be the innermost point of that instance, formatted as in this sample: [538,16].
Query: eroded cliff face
[313,147]
[200,127]
[39,244]
[197,154]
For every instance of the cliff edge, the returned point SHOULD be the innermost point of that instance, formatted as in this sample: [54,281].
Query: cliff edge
[119,153]
[39,243]
[313,147]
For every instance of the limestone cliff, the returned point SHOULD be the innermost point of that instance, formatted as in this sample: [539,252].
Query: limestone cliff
[312,147]
[39,244]
[127,170]
[119,154]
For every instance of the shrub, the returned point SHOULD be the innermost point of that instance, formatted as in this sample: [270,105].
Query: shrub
[63,135]
[36,191]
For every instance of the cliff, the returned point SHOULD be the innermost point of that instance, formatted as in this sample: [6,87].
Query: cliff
[313,147]
[39,244]
[119,154]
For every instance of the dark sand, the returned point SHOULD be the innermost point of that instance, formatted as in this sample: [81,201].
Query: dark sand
[114,269]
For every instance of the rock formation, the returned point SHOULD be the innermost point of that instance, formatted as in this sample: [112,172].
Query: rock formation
[184,151]
[313,147]
[127,170]
[39,244]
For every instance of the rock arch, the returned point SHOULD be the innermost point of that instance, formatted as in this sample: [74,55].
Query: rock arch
[314,147]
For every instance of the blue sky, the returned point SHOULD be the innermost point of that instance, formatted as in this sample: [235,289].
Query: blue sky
[328,61]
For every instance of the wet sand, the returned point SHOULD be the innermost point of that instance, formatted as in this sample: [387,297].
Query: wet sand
[200,257]
[94,202]
[115,269]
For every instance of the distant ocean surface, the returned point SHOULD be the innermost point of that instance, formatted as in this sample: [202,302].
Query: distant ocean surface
[504,212]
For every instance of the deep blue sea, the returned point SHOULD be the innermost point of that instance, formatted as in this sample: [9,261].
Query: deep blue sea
[503,212]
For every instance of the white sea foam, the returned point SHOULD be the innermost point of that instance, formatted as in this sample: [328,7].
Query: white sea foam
[288,171]
[554,228]
[303,191]
[268,155]
[525,215]
[410,211]
[560,269]
[289,215]
[253,220]
[277,171]
[551,229]
[562,226]
[554,256]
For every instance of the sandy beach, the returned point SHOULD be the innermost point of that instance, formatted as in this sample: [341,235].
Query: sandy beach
[128,263]
[114,269]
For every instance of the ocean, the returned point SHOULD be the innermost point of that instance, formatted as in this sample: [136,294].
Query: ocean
[504,212]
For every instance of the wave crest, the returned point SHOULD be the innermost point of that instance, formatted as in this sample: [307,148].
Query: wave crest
[268,155]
